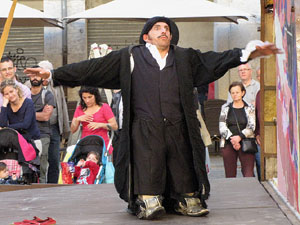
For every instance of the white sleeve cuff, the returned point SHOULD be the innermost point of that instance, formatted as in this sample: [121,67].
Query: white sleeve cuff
[50,77]
[250,47]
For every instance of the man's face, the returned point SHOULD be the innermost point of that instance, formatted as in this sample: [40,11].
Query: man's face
[245,72]
[36,81]
[159,35]
[7,70]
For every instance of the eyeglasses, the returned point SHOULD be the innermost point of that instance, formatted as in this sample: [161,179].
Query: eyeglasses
[244,70]
[9,69]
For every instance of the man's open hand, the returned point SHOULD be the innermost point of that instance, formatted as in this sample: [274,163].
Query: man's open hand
[40,72]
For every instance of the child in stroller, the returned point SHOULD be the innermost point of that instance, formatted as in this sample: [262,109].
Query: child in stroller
[81,152]
[87,171]
[20,155]
[4,175]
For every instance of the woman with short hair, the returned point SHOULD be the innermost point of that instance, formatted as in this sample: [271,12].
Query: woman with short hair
[237,121]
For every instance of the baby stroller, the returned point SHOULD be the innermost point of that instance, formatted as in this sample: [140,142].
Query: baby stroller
[80,151]
[20,156]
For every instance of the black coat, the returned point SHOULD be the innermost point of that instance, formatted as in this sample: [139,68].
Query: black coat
[113,71]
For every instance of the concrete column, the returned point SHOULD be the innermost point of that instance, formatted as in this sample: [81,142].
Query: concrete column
[77,35]
[53,35]
[198,35]
[230,35]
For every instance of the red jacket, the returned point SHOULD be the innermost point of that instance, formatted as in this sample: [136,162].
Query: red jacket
[86,174]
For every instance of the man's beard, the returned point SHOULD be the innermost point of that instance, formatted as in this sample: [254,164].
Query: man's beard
[36,83]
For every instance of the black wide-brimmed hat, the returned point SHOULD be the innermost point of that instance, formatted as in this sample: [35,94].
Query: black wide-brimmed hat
[150,23]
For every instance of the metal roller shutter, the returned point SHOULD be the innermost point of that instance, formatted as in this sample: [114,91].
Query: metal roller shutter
[114,33]
[26,47]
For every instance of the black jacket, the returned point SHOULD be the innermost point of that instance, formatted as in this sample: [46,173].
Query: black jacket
[113,71]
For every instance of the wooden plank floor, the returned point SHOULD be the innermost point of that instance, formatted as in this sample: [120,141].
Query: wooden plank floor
[240,201]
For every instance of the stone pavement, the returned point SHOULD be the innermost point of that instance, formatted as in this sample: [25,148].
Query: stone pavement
[239,201]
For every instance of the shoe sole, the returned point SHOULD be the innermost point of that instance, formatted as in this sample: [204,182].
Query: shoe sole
[202,213]
[156,215]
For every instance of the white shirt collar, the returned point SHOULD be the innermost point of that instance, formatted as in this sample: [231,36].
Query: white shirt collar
[155,53]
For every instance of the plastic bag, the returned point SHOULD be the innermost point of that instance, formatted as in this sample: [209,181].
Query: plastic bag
[207,160]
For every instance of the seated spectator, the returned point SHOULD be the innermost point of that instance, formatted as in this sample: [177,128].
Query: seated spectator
[18,112]
[96,117]
[234,114]
[86,171]
[4,175]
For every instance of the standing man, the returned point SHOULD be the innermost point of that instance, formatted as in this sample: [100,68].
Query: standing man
[8,71]
[251,85]
[59,124]
[43,103]
[161,155]
[117,108]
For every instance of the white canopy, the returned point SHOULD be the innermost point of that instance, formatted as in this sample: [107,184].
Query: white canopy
[25,16]
[178,10]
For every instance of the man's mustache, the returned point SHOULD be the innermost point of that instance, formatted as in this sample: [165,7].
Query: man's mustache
[163,36]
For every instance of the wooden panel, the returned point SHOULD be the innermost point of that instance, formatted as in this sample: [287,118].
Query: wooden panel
[269,105]
[270,140]
[268,97]
[269,64]
[268,2]
[271,168]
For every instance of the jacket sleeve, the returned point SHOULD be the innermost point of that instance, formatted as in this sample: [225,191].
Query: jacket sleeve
[99,72]
[93,167]
[210,66]
[224,130]
[3,117]
[250,128]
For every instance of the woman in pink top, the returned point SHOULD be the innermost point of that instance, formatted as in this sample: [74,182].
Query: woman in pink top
[96,117]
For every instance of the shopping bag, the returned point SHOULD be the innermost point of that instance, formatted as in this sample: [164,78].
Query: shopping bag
[109,171]
[67,172]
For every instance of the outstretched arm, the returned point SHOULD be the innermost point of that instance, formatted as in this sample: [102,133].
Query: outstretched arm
[100,72]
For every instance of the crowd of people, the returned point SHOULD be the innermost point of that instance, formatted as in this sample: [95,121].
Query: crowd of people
[41,116]
[159,154]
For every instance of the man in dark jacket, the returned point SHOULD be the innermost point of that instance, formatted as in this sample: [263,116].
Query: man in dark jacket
[161,157]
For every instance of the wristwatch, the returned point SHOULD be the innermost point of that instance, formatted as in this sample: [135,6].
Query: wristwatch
[108,127]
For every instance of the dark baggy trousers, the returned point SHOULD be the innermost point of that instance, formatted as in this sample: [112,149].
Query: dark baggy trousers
[162,158]
[230,156]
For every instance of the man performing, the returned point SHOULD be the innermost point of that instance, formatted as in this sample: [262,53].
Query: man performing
[160,163]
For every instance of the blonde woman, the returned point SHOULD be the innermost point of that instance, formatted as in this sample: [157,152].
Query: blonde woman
[18,112]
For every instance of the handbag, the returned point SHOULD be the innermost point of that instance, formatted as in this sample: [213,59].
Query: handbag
[248,145]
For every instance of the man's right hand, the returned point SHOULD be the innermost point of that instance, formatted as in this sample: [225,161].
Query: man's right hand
[40,72]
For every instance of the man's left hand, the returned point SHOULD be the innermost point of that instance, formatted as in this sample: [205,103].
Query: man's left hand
[265,50]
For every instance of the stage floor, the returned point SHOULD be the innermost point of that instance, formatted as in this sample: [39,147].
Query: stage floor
[233,201]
